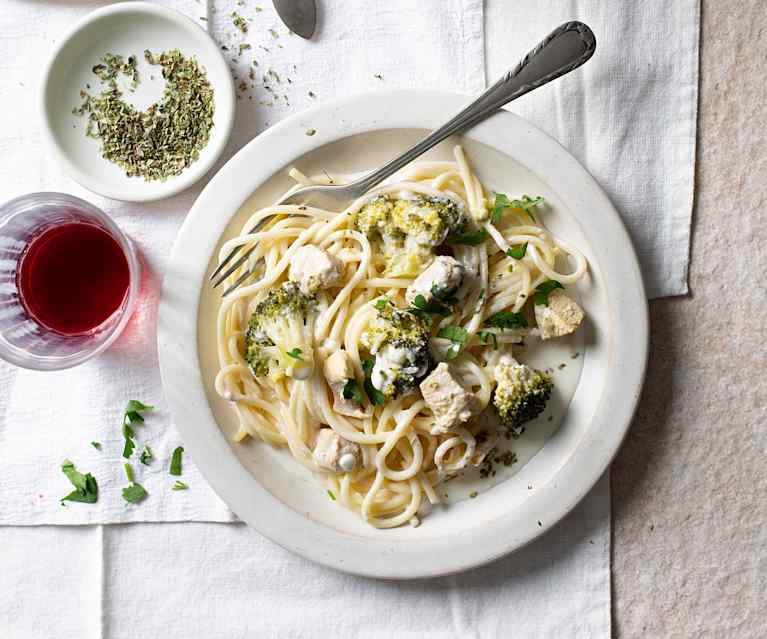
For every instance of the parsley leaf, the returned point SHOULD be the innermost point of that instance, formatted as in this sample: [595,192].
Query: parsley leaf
[86,488]
[331,495]
[179,485]
[381,304]
[130,441]
[506,319]
[486,337]
[375,396]
[146,455]
[132,416]
[134,493]
[135,405]
[430,308]
[352,391]
[295,354]
[518,252]
[96,445]
[527,204]
[455,334]
[471,238]
[175,461]
[542,292]
[501,202]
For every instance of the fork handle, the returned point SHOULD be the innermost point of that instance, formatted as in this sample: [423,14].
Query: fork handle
[564,49]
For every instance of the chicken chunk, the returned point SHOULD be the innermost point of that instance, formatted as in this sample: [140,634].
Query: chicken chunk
[333,452]
[314,268]
[441,279]
[338,371]
[561,317]
[450,402]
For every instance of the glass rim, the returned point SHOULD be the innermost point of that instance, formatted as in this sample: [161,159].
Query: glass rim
[24,359]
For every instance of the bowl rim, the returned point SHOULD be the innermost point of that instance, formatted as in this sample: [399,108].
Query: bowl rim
[179,361]
[224,117]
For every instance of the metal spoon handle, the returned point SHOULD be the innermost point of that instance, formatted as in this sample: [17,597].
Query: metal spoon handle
[564,49]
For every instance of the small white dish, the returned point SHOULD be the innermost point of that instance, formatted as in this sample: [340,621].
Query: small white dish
[271,492]
[128,28]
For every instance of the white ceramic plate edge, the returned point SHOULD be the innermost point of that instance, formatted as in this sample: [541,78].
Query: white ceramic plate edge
[177,339]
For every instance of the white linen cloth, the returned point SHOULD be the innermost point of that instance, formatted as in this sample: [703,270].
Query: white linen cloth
[183,581]
[225,580]
[629,115]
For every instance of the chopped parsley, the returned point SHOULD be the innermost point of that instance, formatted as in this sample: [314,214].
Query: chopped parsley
[518,252]
[134,493]
[501,202]
[96,445]
[146,455]
[331,495]
[130,441]
[375,396]
[381,304]
[470,238]
[542,292]
[352,391]
[455,334]
[421,306]
[295,354]
[175,461]
[179,485]
[506,319]
[132,416]
[527,204]
[129,472]
[86,488]
[488,336]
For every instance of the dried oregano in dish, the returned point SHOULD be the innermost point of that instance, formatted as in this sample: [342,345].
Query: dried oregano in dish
[166,138]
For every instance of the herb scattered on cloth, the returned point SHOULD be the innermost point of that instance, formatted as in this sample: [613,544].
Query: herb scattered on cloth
[86,488]
[131,417]
[166,138]
[175,461]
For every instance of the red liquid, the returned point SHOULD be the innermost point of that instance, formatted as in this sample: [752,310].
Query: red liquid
[72,278]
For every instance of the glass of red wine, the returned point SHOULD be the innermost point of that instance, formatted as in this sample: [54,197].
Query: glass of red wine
[69,278]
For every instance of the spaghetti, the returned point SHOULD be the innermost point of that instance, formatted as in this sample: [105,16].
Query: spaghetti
[402,457]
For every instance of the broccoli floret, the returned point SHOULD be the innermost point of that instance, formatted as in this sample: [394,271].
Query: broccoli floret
[399,340]
[521,394]
[428,219]
[374,218]
[409,229]
[275,342]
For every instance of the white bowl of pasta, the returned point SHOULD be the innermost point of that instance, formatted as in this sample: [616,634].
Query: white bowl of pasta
[402,391]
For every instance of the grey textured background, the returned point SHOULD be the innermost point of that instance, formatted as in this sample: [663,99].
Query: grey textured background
[689,486]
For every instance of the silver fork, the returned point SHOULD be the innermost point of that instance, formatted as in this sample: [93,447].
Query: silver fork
[564,49]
